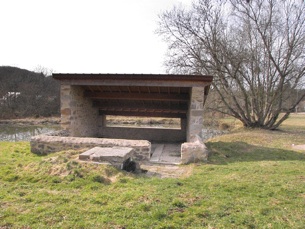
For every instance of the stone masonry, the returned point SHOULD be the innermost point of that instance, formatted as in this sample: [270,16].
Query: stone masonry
[195,113]
[77,113]
[194,151]
[43,144]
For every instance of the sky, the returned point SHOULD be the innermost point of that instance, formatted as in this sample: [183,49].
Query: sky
[84,36]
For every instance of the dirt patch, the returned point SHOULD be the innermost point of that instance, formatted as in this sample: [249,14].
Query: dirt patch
[299,147]
[152,170]
[167,171]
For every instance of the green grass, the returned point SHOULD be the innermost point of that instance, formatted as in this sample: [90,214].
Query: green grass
[253,180]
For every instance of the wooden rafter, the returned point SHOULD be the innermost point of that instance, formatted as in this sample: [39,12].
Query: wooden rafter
[136,96]
[152,107]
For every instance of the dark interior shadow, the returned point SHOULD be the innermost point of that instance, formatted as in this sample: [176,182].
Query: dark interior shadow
[230,152]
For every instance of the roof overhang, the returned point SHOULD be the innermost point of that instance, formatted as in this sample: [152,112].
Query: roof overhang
[173,80]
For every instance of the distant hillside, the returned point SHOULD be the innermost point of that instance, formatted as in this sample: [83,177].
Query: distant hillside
[25,93]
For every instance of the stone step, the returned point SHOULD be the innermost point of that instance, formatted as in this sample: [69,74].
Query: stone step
[115,155]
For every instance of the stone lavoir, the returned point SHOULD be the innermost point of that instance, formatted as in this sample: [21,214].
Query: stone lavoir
[87,100]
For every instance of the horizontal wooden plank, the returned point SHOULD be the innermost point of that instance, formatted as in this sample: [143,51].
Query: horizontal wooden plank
[146,106]
[149,110]
[137,96]
[172,80]
[137,89]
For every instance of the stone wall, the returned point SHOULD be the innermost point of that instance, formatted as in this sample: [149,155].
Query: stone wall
[77,113]
[150,134]
[43,144]
[142,133]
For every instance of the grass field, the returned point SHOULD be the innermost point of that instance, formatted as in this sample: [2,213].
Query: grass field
[253,180]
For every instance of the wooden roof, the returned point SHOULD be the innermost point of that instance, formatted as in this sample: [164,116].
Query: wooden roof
[138,94]
[173,80]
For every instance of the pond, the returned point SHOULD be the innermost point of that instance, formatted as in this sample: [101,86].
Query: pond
[14,133]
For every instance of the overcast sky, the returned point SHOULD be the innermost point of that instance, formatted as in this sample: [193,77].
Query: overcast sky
[83,36]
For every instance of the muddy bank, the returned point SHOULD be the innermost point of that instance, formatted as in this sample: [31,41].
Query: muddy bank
[32,121]
[142,121]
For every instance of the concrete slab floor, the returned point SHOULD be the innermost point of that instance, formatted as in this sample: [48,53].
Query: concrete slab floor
[166,153]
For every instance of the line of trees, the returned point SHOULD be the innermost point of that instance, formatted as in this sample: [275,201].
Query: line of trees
[254,49]
[27,94]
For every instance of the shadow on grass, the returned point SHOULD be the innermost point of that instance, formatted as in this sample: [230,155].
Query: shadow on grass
[230,152]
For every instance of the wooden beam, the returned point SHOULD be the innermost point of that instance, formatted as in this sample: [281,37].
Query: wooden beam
[174,107]
[149,110]
[137,96]
[134,80]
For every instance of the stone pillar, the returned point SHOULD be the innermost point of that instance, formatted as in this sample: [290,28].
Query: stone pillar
[65,109]
[78,116]
[194,149]
[195,113]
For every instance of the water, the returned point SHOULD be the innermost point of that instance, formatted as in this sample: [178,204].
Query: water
[15,133]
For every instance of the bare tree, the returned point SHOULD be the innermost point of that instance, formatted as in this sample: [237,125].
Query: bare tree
[254,49]
[43,70]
